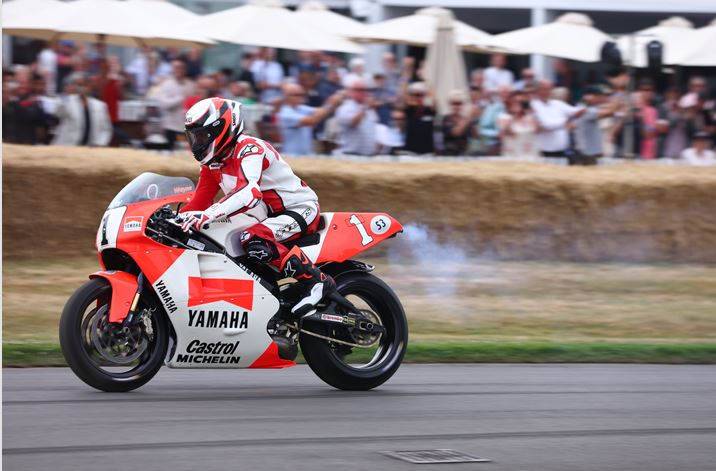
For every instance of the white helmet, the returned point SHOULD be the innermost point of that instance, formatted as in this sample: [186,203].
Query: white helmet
[213,126]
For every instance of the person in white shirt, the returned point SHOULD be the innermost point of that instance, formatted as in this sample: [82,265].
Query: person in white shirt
[699,153]
[170,95]
[268,75]
[527,80]
[47,66]
[357,121]
[496,75]
[84,121]
[357,71]
[555,119]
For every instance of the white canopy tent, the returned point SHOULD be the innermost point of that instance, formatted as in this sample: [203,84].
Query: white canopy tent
[118,22]
[418,29]
[698,49]
[316,14]
[570,36]
[672,33]
[267,23]
[445,67]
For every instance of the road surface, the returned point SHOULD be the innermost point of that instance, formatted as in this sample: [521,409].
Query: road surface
[541,417]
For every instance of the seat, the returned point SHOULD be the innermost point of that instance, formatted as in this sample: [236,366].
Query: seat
[307,240]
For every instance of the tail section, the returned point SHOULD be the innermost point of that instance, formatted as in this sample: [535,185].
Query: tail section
[348,234]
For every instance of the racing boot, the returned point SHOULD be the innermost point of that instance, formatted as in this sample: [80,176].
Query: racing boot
[314,283]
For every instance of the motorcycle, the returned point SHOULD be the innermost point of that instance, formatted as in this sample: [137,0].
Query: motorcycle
[194,300]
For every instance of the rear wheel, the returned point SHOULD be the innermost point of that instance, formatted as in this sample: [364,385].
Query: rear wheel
[354,368]
[104,355]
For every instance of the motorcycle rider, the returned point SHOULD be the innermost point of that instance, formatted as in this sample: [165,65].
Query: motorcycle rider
[249,170]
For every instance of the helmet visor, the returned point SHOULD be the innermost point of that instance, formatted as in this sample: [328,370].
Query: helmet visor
[200,140]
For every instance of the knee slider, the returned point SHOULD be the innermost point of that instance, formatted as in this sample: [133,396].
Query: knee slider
[260,250]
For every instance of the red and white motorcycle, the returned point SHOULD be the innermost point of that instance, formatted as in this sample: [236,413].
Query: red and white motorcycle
[195,301]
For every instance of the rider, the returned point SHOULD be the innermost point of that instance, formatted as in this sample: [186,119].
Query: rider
[249,170]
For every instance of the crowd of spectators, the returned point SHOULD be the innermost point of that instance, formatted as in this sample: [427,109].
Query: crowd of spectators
[320,104]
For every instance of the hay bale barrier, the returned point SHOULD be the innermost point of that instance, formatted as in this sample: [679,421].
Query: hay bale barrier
[54,197]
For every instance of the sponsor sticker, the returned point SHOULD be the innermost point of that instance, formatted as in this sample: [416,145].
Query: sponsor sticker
[215,353]
[196,244]
[182,189]
[332,318]
[133,223]
[380,225]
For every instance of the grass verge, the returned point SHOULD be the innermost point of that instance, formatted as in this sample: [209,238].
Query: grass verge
[49,354]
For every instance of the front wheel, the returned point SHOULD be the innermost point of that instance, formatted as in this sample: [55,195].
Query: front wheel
[105,355]
[360,369]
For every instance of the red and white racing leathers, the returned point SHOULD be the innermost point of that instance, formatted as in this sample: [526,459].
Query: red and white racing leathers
[254,172]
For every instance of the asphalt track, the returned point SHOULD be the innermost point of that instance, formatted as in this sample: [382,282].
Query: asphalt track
[546,417]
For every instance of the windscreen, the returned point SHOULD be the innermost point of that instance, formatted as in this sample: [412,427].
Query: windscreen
[150,186]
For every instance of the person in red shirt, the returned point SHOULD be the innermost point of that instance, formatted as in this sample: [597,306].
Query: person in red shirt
[249,170]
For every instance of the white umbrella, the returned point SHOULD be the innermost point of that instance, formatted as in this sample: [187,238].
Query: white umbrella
[418,29]
[698,49]
[266,23]
[110,21]
[316,14]
[672,33]
[445,68]
[23,18]
[571,36]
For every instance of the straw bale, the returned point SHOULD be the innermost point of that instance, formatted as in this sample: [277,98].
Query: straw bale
[53,199]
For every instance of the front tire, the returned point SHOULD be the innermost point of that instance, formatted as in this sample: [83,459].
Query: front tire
[331,362]
[83,329]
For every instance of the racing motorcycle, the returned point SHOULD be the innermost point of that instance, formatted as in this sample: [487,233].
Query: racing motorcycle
[194,300]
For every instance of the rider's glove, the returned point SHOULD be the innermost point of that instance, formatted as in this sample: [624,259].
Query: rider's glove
[198,220]
[194,220]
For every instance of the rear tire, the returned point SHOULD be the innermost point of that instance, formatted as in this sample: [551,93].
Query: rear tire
[328,365]
[78,351]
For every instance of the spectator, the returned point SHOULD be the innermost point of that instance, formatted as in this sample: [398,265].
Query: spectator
[268,75]
[84,120]
[456,125]
[518,128]
[391,73]
[391,138]
[171,95]
[564,74]
[308,79]
[329,84]
[527,82]
[357,121]
[477,78]
[192,59]
[587,131]
[47,66]
[356,71]
[297,120]
[24,114]
[241,92]
[8,89]
[675,139]
[407,73]
[488,126]
[699,153]
[555,119]
[497,75]
[205,88]
[420,120]
[246,75]
[649,117]
[65,52]
[223,79]
[384,98]
[110,92]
